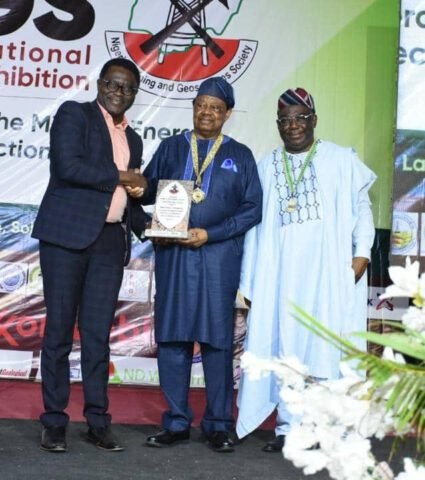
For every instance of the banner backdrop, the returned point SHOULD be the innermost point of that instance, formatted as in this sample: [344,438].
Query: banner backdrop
[52,51]
[408,227]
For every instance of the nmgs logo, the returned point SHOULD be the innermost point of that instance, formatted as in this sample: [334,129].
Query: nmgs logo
[404,233]
[13,276]
[179,43]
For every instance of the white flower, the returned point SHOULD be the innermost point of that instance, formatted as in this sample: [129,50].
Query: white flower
[353,386]
[296,449]
[414,319]
[294,400]
[411,471]
[300,437]
[346,455]
[311,461]
[291,371]
[351,458]
[337,407]
[287,369]
[405,279]
[336,418]
[388,354]
[255,367]
[377,421]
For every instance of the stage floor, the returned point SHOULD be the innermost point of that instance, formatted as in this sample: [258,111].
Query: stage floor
[21,458]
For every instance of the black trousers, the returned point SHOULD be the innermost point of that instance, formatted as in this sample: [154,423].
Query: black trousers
[84,285]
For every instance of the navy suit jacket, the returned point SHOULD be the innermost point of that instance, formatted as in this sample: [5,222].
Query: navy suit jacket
[83,177]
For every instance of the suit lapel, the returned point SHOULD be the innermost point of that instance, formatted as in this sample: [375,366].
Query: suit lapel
[100,123]
[133,147]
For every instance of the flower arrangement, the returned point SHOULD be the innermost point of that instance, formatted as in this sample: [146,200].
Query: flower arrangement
[338,418]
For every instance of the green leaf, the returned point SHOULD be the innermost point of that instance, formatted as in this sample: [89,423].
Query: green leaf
[406,382]
[397,341]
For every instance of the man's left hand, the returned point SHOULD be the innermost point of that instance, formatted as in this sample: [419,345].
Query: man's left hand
[359,265]
[135,192]
[197,237]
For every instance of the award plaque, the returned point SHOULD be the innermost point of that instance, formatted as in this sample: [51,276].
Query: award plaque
[171,210]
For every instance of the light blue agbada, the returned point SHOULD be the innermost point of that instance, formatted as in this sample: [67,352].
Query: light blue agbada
[304,257]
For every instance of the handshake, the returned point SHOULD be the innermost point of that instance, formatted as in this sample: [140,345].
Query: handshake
[134,182]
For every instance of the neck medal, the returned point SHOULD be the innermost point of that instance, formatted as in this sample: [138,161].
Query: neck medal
[292,204]
[198,195]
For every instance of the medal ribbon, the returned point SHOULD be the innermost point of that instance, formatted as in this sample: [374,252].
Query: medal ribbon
[292,183]
[208,159]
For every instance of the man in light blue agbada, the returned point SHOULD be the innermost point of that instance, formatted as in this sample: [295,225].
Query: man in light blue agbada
[311,249]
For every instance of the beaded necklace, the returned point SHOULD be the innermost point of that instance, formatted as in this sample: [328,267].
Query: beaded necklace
[292,182]
[198,195]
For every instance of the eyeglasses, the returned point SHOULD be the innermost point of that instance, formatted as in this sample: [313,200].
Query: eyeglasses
[206,106]
[300,119]
[113,86]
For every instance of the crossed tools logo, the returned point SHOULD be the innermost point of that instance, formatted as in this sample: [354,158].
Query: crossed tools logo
[179,43]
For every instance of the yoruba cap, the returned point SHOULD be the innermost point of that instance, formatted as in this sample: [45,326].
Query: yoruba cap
[296,96]
[218,87]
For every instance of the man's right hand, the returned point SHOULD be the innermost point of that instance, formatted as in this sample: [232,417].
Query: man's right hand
[133,179]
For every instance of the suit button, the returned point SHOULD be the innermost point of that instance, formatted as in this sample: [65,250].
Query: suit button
[106,207]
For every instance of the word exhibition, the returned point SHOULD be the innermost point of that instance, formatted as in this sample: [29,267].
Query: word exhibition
[23,76]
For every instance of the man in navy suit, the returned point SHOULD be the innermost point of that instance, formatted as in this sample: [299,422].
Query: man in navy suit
[84,227]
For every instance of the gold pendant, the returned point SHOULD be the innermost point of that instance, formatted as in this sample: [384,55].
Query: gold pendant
[292,205]
[198,195]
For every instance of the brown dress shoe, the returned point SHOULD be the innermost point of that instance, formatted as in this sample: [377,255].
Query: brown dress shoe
[274,445]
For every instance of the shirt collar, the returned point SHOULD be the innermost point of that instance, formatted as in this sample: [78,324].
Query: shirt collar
[110,121]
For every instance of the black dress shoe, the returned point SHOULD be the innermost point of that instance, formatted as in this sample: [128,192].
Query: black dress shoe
[53,439]
[167,438]
[103,438]
[274,445]
[220,442]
